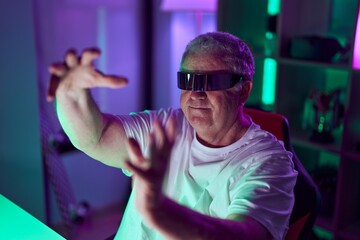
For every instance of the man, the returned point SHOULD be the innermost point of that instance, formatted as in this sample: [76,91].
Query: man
[204,171]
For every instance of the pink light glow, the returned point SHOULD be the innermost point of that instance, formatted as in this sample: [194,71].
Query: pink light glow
[356,58]
[189,5]
[184,28]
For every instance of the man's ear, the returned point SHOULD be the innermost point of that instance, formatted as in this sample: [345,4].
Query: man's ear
[245,91]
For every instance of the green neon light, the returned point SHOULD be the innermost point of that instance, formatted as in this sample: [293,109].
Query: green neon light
[321,124]
[269,35]
[269,81]
[322,233]
[273,7]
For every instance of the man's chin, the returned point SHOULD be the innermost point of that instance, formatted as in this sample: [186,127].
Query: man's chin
[199,122]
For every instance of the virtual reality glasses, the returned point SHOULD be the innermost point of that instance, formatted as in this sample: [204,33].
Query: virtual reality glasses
[207,81]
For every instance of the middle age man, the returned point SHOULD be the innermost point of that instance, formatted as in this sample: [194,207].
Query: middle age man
[204,171]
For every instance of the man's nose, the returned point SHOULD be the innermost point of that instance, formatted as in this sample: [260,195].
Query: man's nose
[198,95]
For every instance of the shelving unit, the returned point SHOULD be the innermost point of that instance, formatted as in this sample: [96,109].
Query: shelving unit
[295,79]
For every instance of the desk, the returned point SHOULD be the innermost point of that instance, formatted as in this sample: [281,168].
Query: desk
[17,224]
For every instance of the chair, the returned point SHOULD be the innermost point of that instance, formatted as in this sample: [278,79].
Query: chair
[307,195]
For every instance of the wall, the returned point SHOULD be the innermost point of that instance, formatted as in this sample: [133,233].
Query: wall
[21,172]
[172,31]
[28,49]
[35,34]
[115,28]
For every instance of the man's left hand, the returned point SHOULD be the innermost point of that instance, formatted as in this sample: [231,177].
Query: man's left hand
[148,172]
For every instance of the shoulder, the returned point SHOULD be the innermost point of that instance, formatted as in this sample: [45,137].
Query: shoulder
[262,140]
[161,114]
[262,150]
[142,121]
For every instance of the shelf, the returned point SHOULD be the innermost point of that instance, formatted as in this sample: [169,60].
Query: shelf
[306,63]
[354,156]
[351,232]
[263,56]
[309,63]
[301,138]
[325,223]
[296,79]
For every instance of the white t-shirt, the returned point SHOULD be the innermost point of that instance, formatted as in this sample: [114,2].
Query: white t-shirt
[253,176]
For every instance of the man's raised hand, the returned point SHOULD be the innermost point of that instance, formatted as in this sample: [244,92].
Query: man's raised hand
[78,73]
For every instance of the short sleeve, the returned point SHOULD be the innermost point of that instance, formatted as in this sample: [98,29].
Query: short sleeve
[139,125]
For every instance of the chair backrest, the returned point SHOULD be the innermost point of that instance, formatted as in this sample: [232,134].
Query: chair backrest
[307,195]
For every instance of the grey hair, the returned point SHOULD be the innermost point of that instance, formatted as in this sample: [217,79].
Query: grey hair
[227,48]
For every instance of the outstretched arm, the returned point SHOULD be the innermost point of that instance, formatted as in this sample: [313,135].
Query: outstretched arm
[175,221]
[99,135]
[171,219]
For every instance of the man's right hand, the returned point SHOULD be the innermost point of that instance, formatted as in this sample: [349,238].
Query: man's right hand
[99,135]
[79,73]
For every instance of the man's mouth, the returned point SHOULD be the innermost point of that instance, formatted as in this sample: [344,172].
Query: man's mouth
[199,108]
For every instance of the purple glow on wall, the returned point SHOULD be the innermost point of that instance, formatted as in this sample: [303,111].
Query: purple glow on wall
[356,58]
[181,33]
[189,5]
[102,62]
[113,26]
[96,3]
[184,27]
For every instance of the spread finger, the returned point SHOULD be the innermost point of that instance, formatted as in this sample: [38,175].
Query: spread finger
[71,58]
[89,55]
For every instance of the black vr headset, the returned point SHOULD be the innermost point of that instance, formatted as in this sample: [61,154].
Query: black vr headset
[207,81]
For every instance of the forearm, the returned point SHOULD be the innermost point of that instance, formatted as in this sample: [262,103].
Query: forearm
[79,117]
[100,136]
[175,221]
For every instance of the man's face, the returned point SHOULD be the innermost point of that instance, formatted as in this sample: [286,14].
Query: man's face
[209,111]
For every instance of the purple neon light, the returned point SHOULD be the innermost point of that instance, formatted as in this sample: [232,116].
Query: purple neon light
[356,58]
[189,5]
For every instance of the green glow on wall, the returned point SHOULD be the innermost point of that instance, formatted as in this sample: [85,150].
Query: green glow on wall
[269,81]
[322,233]
[273,7]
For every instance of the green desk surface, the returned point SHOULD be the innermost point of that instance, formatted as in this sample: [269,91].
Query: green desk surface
[17,224]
